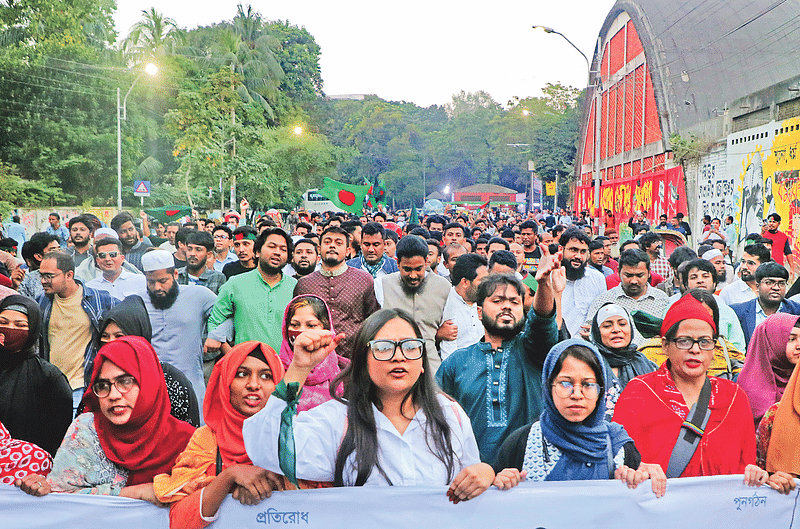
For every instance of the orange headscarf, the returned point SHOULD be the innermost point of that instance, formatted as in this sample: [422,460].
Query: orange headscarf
[783,452]
[223,428]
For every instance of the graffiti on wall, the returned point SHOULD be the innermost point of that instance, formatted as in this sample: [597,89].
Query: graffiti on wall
[657,193]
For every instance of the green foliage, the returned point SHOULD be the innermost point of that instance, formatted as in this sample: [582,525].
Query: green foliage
[688,149]
[21,193]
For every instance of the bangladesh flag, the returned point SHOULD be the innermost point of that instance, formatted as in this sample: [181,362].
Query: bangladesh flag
[349,197]
[169,213]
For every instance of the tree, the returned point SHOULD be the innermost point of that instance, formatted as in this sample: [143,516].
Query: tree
[152,37]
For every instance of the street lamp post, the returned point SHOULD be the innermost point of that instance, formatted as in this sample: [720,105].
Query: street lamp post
[122,113]
[595,152]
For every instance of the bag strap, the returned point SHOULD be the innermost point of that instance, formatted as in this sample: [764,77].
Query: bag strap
[692,429]
[219,462]
[610,456]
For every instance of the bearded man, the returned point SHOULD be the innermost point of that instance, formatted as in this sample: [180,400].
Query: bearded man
[305,258]
[584,283]
[178,315]
[498,381]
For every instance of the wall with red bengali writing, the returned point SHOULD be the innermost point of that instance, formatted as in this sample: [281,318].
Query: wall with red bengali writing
[658,192]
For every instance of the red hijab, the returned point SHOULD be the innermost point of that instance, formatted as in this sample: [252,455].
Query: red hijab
[152,439]
[225,421]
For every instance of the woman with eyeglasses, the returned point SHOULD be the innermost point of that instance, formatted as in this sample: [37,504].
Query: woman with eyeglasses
[680,418]
[126,437]
[773,352]
[391,427]
[572,439]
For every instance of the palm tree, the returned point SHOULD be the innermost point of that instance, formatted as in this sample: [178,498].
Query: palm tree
[155,35]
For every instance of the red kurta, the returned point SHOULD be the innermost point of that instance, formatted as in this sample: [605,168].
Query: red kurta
[652,411]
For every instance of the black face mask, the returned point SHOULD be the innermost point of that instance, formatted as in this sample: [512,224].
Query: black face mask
[12,339]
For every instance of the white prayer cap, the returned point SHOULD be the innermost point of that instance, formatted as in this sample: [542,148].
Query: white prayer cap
[105,232]
[709,255]
[157,260]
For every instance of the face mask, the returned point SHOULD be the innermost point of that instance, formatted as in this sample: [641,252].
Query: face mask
[292,335]
[12,339]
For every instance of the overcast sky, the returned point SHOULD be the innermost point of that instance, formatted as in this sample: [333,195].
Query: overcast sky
[422,51]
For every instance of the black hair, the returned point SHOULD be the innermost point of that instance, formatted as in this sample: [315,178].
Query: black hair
[64,261]
[774,216]
[391,234]
[81,219]
[507,233]
[223,227]
[529,224]
[37,243]
[435,219]
[262,238]
[699,264]
[419,231]
[498,240]
[336,229]
[492,282]
[381,213]
[466,267]
[306,240]
[435,243]
[632,258]
[411,246]
[182,234]
[105,241]
[771,269]
[56,215]
[629,242]
[199,238]
[305,225]
[455,225]
[680,255]
[585,355]
[574,233]
[595,245]
[360,395]
[648,239]
[760,251]
[120,219]
[373,228]
[503,257]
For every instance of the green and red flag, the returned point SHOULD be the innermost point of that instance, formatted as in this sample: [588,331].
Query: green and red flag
[169,213]
[349,197]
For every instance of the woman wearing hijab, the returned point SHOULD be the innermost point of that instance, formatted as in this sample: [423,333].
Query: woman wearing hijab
[126,437]
[303,313]
[770,361]
[572,440]
[129,318]
[215,462]
[612,334]
[36,403]
[682,419]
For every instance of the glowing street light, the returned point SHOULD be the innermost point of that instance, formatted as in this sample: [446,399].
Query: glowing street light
[298,130]
[122,113]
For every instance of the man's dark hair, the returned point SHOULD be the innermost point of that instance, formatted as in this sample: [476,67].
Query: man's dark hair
[419,231]
[699,264]
[274,231]
[373,228]
[492,282]
[574,233]
[36,244]
[503,257]
[703,248]
[629,242]
[507,233]
[498,240]
[452,225]
[336,229]
[467,267]
[680,255]
[81,219]
[64,261]
[774,216]
[391,234]
[266,222]
[182,234]
[409,247]
[312,242]
[106,241]
[56,215]
[15,218]
[434,243]
[379,214]
[199,238]
[120,219]
[225,228]
[595,245]
[529,224]
[771,269]
[649,239]
[305,225]
[351,225]
[435,219]
[632,258]
[760,251]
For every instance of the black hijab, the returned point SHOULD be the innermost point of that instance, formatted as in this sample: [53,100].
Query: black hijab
[628,360]
[131,317]
[36,402]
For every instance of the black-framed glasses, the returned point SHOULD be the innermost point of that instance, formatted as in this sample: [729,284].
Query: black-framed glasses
[565,388]
[50,277]
[123,383]
[770,283]
[103,255]
[685,343]
[383,350]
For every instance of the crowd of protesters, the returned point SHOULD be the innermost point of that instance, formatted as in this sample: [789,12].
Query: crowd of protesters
[181,362]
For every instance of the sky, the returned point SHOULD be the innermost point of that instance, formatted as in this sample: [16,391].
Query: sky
[422,51]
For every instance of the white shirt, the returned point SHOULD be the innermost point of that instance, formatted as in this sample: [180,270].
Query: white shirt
[125,285]
[470,328]
[578,297]
[737,292]
[406,459]
[168,247]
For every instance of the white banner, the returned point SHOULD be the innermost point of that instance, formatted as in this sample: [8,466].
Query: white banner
[696,503]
